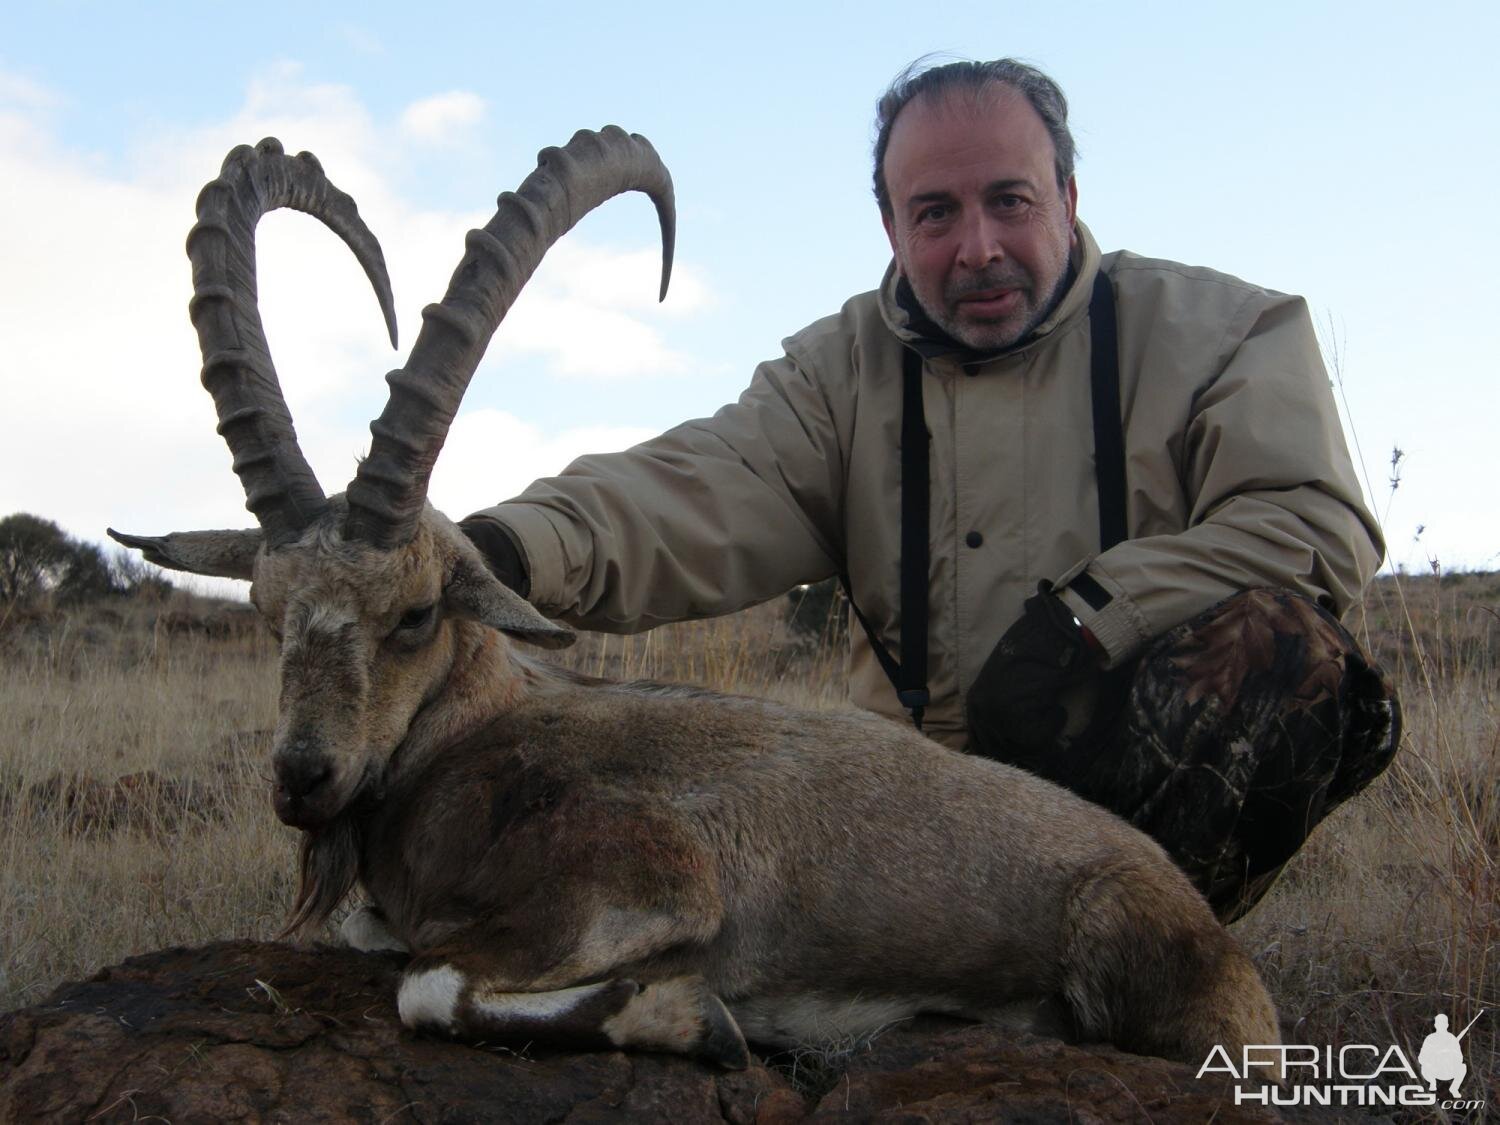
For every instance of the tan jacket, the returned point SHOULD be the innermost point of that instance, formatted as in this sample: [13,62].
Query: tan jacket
[1236,467]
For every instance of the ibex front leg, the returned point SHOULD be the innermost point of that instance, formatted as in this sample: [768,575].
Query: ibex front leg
[494,983]
[466,997]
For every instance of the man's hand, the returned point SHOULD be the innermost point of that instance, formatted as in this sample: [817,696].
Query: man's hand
[1016,709]
[500,552]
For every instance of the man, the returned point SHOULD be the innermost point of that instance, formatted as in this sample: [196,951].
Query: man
[1164,613]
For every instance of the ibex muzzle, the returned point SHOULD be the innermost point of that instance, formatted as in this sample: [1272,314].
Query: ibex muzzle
[583,863]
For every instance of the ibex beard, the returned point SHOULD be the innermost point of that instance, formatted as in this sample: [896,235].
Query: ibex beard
[585,864]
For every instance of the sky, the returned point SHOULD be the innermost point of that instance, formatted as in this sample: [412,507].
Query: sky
[1344,152]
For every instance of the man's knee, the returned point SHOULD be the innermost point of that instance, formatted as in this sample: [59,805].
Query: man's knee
[1257,654]
[1244,727]
[1254,634]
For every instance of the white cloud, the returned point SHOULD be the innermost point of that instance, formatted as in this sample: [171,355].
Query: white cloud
[491,455]
[442,118]
[325,118]
[106,421]
[621,279]
[22,93]
[586,309]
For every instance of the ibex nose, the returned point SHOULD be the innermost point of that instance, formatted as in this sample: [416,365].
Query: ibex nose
[300,774]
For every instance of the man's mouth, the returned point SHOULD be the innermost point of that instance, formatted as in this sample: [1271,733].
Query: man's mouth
[989,302]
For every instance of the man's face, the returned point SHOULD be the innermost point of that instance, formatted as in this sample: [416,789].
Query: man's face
[979,226]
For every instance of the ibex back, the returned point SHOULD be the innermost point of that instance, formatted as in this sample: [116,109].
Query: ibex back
[582,863]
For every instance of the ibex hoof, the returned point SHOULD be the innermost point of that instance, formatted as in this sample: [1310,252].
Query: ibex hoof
[682,1015]
[722,1040]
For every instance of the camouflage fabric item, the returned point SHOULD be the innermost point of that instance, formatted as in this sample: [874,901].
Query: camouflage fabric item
[1233,735]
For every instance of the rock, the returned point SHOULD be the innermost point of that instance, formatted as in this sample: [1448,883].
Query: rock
[245,1031]
[982,1074]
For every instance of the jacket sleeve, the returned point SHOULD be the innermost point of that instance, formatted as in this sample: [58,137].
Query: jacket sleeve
[712,516]
[1271,494]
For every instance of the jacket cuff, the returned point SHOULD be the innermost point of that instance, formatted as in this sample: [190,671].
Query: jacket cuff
[1105,610]
[541,550]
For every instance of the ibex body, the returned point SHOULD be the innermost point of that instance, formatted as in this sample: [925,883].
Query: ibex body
[584,863]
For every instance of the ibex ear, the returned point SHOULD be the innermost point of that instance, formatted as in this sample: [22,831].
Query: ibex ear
[222,554]
[473,591]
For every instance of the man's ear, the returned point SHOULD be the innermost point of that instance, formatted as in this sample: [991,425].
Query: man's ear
[473,591]
[888,220]
[221,554]
[1071,196]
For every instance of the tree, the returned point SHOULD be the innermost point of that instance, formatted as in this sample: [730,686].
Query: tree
[37,558]
[34,556]
[129,572]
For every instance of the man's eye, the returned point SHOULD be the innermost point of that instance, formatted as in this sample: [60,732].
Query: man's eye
[1010,202]
[932,214]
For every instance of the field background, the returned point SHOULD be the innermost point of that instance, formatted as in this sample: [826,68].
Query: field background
[135,802]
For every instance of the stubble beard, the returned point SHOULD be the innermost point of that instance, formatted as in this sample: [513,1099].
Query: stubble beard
[1002,334]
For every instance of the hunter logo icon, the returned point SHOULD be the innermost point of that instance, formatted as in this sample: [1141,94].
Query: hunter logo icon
[1352,1074]
[1441,1057]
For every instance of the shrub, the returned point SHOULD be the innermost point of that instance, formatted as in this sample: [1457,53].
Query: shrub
[39,560]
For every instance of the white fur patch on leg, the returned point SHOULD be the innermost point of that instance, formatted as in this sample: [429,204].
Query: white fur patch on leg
[365,930]
[429,998]
[535,1005]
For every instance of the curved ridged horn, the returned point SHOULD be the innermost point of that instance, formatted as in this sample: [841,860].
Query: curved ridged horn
[388,490]
[280,487]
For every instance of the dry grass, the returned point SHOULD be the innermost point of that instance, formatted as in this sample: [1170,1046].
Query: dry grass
[132,791]
[135,812]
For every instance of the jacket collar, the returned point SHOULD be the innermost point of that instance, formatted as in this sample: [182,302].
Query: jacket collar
[912,326]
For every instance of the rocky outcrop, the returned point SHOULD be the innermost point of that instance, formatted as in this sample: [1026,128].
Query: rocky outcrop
[242,1031]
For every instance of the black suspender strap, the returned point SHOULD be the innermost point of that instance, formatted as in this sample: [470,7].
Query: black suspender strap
[1109,440]
[911,685]
[910,676]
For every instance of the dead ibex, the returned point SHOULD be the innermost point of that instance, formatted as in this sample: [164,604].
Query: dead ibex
[588,863]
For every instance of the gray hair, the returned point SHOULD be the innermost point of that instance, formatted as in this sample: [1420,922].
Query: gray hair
[1045,96]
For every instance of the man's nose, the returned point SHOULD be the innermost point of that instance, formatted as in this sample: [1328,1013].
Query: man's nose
[979,241]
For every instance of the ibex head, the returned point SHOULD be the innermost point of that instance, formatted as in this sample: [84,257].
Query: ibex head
[372,594]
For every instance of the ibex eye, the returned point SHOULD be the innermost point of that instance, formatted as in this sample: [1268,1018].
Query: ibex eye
[416,618]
